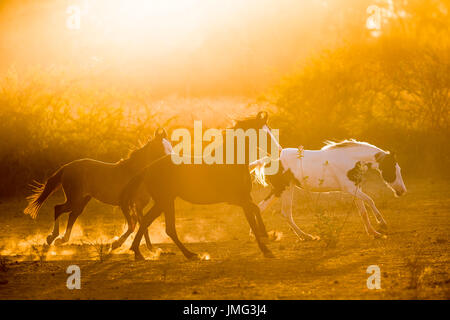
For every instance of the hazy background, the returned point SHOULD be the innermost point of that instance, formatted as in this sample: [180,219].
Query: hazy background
[324,69]
[187,47]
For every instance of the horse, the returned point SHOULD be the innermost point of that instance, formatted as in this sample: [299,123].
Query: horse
[338,166]
[84,179]
[200,184]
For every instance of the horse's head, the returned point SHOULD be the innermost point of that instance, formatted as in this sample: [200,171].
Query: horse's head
[158,146]
[260,123]
[391,172]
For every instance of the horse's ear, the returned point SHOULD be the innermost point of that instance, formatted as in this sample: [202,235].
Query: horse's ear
[262,115]
[160,133]
[379,156]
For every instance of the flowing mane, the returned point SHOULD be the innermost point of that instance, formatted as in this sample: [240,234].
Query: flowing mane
[133,153]
[348,143]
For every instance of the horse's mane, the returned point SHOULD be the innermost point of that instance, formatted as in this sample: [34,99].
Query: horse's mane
[132,153]
[237,123]
[348,143]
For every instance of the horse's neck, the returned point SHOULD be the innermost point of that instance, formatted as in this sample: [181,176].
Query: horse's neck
[132,165]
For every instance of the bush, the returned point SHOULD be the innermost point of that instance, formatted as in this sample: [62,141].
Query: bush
[47,120]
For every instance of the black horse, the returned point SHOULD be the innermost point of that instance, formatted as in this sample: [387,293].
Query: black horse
[200,184]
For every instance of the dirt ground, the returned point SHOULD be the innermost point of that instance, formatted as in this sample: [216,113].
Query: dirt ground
[413,259]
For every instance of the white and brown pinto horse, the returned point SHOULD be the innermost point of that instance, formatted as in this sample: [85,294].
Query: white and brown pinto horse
[336,167]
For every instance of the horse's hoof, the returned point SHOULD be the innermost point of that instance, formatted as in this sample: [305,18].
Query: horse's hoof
[269,255]
[382,227]
[50,239]
[379,236]
[193,257]
[138,257]
[59,241]
[115,245]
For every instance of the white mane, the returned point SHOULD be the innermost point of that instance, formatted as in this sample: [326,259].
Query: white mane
[348,143]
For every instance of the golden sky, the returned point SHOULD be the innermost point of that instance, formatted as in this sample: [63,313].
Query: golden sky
[198,43]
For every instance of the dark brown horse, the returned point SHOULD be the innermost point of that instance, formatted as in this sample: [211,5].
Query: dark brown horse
[199,184]
[84,179]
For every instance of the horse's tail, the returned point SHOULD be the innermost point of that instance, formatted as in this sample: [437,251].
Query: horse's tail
[41,191]
[128,194]
[257,168]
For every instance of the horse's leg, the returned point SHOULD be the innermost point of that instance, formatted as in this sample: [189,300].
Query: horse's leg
[147,220]
[130,228]
[286,211]
[381,222]
[264,204]
[363,212]
[140,217]
[172,232]
[260,224]
[59,209]
[77,209]
[250,210]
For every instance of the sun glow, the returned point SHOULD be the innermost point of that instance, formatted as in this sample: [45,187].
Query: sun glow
[192,47]
[140,23]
